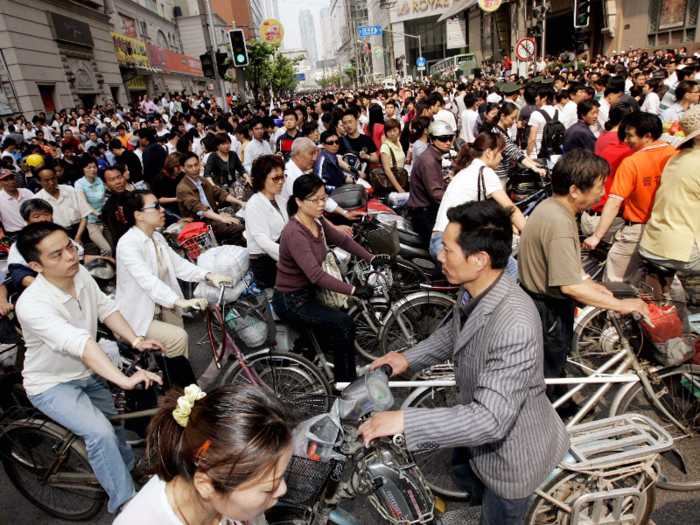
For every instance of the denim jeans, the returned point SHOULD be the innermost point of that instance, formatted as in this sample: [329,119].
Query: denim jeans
[302,309]
[81,406]
[495,510]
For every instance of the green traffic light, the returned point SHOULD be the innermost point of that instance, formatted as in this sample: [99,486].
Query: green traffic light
[240,58]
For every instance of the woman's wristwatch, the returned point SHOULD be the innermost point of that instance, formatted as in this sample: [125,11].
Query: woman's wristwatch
[137,341]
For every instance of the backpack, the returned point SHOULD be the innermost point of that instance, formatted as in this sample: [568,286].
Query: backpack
[552,135]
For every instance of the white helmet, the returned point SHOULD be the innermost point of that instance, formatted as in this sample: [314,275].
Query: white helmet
[440,128]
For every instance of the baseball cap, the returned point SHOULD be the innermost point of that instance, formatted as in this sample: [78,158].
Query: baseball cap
[7,173]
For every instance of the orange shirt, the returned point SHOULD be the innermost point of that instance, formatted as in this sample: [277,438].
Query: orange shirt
[124,140]
[638,178]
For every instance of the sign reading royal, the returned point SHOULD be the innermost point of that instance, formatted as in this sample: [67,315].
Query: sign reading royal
[410,9]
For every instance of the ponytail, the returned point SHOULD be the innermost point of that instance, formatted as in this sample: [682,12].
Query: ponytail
[303,187]
[484,140]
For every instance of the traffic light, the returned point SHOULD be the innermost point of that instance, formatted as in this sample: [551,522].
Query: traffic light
[221,66]
[582,13]
[207,65]
[239,51]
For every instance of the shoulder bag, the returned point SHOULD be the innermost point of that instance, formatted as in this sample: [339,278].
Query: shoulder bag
[379,180]
[330,266]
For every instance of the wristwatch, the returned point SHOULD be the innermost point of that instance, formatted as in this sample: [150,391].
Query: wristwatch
[345,212]
[137,341]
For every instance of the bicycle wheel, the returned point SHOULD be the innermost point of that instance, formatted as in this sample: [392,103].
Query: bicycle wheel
[407,275]
[368,327]
[568,486]
[29,449]
[435,465]
[596,340]
[678,390]
[296,381]
[421,316]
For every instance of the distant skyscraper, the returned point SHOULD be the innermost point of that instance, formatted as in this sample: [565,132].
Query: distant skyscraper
[308,35]
[327,34]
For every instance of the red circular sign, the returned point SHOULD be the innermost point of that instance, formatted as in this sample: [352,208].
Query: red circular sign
[525,49]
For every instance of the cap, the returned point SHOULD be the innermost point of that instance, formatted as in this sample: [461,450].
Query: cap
[7,173]
[537,80]
[548,80]
[509,88]
[499,85]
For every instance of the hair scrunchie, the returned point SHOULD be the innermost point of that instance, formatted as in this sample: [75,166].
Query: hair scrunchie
[185,403]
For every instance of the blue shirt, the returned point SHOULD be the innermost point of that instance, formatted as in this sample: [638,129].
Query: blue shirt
[202,195]
[95,194]
[327,168]
[673,113]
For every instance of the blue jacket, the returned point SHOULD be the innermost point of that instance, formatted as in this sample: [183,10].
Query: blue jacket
[327,168]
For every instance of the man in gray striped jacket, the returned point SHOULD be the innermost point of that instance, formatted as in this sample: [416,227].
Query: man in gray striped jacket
[506,435]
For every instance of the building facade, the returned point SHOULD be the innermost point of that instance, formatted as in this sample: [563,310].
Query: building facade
[308,34]
[238,11]
[327,34]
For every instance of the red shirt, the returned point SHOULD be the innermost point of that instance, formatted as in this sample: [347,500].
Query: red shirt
[614,154]
[75,143]
[609,138]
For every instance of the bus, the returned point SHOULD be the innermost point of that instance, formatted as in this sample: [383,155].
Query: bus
[466,63]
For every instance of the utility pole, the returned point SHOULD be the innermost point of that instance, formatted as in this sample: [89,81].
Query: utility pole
[212,47]
[389,5]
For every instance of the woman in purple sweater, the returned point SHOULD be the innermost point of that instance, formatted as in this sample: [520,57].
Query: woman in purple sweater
[299,272]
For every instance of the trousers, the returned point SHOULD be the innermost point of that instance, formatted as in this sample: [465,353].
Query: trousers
[99,235]
[168,329]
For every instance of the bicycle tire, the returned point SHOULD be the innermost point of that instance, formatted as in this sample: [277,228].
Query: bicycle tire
[669,384]
[35,434]
[435,465]
[367,331]
[296,381]
[216,329]
[577,482]
[422,315]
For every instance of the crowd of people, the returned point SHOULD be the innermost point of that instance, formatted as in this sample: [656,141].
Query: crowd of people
[100,182]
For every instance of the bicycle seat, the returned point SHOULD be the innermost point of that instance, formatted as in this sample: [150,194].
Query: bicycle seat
[621,290]
[655,270]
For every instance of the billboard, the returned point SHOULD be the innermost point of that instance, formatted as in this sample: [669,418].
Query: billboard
[130,52]
[178,63]
[156,55]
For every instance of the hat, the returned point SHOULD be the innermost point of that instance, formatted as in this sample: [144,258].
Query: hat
[499,85]
[7,173]
[509,88]
[690,125]
[537,80]
[565,70]
[548,80]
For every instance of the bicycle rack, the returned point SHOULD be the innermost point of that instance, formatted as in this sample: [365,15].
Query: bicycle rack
[588,509]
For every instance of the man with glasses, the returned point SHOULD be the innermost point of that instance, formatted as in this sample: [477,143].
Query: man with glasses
[328,167]
[687,94]
[427,183]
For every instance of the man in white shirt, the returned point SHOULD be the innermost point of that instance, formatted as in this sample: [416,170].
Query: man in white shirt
[64,367]
[544,99]
[541,65]
[69,210]
[611,96]
[11,199]
[160,128]
[256,147]
[469,118]
[446,116]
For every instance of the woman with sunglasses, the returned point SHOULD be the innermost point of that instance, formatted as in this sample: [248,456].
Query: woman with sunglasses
[303,248]
[148,293]
[266,217]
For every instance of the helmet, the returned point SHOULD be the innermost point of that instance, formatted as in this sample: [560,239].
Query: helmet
[35,160]
[104,273]
[440,128]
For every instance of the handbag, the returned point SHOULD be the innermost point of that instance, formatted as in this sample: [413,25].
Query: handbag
[378,178]
[330,266]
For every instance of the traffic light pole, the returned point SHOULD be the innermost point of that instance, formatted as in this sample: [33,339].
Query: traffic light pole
[240,79]
[212,47]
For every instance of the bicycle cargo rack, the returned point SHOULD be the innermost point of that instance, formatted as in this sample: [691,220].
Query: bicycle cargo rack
[615,441]
[591,509]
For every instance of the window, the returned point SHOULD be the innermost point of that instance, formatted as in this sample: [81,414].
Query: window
[672,22]
[46,93]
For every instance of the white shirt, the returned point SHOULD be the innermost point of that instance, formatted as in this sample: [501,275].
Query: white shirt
[235,144]
[464,188]
[537,120]
[469,117]
[56,327]
[541,66]
[138,287]
[651,104]
[280,131]
[69,208]
[11,219]
[293,173]
[447,116]
[603,117]
[264,224]
[253,150]
[569,115]
[151,507]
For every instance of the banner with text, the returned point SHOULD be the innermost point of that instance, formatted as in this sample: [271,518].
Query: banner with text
[178,63]
[130,52]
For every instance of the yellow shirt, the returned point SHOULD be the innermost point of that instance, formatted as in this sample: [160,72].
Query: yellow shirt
[674,226]
[400,156]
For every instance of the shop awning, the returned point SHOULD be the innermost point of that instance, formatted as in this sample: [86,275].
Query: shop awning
[457,8]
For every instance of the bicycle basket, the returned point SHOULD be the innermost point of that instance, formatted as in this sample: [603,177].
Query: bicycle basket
[306,479]
[250,323]
[197,244]
[384,240]
[669,347]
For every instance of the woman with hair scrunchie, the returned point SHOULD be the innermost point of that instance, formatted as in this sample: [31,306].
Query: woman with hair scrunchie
[219,458]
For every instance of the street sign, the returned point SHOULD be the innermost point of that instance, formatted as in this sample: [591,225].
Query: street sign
[377,51]
[421,62]
[525,49]
[421,68]
[300,77]
[370,30]
[271,31]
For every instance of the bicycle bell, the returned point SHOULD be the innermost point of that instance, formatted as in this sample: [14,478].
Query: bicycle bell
[366,395]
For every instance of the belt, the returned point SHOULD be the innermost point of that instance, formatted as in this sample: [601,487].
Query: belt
[632,223]
[599,213]
[544,299]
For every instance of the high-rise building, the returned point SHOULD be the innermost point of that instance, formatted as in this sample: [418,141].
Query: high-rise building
[308,34]
[243,12]
[327,34]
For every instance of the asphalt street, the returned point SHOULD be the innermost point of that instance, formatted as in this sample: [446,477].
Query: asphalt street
[671,507]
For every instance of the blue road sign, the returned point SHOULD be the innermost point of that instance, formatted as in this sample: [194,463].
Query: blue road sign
[300,77]
[370,30]
[420,62]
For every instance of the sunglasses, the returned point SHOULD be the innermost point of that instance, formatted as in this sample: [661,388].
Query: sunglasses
[156,207]
[333,142]
[278,178]
[445,139]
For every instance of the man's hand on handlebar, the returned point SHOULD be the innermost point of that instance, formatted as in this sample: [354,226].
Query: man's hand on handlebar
[395,360]
[149,344]
[217,279]
[382,424]
[630,306]
[141,376]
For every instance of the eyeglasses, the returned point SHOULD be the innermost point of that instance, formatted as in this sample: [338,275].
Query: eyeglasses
[156,207]
[332,142]
[448,138]
[278,178]
[319,200]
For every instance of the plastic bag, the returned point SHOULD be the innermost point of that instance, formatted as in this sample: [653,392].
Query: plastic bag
[316,437]
[669,346]
[225,260]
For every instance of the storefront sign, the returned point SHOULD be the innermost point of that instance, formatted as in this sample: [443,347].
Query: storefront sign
[138,83]
[130,52]
[178,63]
[409,9]
[489,5]
[127,26]
[271,31]
[156,55]
[71,30]
[456,31]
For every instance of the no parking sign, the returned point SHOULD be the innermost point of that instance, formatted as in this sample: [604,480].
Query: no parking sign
[525,49]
